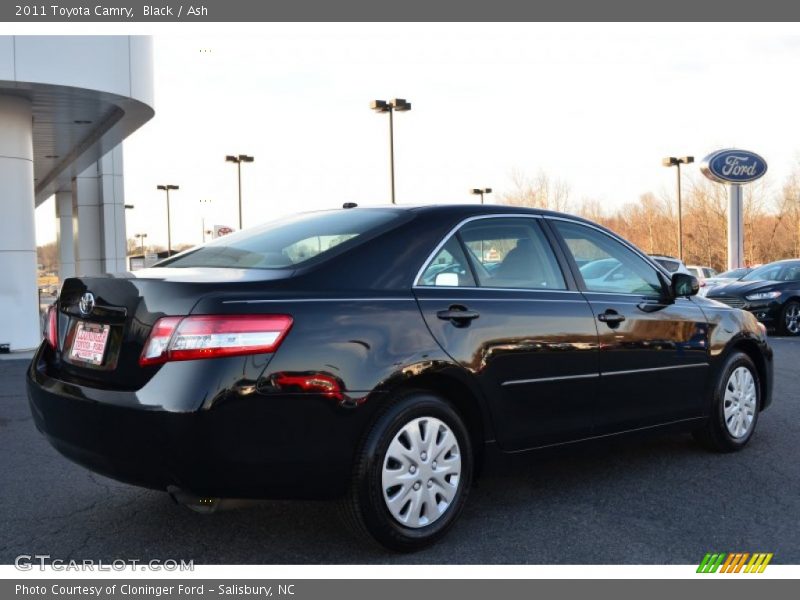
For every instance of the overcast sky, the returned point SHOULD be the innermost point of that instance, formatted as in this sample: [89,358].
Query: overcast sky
[595,105]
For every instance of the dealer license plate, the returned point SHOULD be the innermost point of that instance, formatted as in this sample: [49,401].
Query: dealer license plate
[89,344]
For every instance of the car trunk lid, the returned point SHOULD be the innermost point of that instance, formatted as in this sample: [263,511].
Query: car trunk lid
[104,321]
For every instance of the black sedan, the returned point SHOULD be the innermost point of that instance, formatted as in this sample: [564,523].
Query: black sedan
[771,292]
[381,355]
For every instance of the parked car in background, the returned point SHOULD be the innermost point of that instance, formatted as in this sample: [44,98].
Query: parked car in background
[670,263]
[380,355]
[701,273]
[770,292]
[723,278]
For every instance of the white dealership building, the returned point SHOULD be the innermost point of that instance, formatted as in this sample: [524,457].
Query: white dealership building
[66,104]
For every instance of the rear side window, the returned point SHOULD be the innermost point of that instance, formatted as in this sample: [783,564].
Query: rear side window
[448,268]
[289,242]
[500,252]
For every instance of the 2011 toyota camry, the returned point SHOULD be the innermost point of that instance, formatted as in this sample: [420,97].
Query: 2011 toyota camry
[380,355]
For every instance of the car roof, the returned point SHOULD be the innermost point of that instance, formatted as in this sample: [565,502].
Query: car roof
[783,261]
[463,211]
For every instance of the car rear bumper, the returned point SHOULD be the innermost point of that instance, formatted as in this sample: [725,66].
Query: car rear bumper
[249,446]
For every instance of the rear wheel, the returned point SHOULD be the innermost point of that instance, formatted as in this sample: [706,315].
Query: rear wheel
[790,318]
[735,404]
[411,478]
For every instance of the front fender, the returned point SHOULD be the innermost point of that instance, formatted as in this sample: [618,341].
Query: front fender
[730,330]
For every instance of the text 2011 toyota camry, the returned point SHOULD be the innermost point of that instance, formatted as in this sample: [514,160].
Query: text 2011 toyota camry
[379,355]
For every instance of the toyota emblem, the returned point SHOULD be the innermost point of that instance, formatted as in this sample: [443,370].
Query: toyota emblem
[86,304]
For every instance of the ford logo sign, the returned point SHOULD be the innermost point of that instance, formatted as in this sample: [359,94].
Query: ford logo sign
[86,304]
[733,166]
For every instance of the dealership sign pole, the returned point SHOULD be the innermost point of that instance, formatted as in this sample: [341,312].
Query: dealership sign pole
[734,168]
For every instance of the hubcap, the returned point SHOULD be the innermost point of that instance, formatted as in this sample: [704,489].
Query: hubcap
[421,472]
[740,402]
[793,318]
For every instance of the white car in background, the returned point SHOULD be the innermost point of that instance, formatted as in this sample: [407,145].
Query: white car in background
[670,263]
[703,274]
[724,278]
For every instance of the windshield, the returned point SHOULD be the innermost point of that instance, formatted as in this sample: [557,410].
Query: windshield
[775,272]
[286,243]
[734,273]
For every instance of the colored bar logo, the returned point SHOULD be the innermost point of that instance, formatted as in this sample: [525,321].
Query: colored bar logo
[735,562]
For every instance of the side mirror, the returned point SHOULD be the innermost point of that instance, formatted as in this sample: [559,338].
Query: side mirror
[684,285]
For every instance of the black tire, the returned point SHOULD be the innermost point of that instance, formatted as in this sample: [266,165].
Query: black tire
[364,509]
[783,328]
[715,434]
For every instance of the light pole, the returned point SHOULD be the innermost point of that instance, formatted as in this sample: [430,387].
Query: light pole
[382,106]
[242,158]
[203,202]
[673,161]
[141,237]
[480,192]
[167,187]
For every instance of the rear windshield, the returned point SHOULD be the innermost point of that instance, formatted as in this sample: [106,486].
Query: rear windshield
[286,243]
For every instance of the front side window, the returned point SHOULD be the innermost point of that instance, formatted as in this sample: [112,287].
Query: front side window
[631,275]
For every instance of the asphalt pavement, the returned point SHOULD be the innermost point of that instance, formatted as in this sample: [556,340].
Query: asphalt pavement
[660,500]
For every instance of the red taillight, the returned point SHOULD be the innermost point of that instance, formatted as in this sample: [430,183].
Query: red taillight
[213,336]
[51,327]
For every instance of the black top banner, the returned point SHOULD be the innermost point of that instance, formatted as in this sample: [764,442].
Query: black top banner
[408,10]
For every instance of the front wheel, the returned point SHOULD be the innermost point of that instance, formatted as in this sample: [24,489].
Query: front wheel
[735,404]
[412,476]
[790,318]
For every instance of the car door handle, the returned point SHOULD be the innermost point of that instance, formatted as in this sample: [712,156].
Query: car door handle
[611,317]
[458,315]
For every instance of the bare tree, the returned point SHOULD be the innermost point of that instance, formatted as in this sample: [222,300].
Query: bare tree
[538,192]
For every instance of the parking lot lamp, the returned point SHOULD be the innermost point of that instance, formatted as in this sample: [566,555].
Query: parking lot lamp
[167,187]
[673,161]
[140,237]
[382,106]
[241,158]
[203,202]
[480,192]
